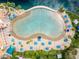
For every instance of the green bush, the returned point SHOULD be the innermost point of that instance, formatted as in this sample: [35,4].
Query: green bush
[39,54]
[10,4]
[69,53]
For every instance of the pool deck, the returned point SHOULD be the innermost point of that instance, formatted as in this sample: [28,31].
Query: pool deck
[43,44]
[38,34]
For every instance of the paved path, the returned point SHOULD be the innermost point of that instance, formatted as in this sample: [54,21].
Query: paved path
[77,56]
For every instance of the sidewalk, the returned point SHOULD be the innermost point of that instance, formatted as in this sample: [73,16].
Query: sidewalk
[77,56]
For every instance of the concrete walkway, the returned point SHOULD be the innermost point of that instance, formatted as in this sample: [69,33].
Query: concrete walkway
[77,56]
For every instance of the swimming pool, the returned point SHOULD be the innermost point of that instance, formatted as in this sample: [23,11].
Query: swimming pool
[40,20]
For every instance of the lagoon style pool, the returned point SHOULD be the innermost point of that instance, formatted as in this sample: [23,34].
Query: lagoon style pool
[39,21]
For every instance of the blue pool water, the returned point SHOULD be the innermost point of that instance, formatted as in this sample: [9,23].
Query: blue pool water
[39,21]
[10,50]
